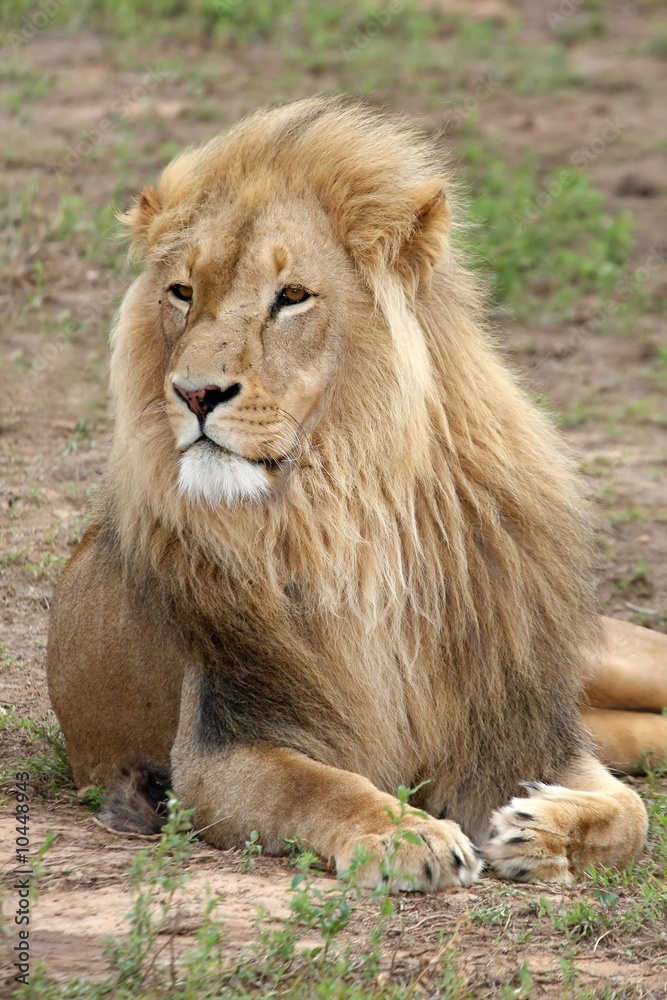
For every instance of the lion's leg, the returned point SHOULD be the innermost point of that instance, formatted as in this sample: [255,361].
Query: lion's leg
[590,818]
[282,793]
[114,672]
[632,672]
[626,687]
[627,741]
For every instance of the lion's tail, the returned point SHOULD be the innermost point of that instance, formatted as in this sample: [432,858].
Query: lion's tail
[138,799]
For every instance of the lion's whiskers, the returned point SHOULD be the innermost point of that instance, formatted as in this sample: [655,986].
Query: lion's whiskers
[301,436]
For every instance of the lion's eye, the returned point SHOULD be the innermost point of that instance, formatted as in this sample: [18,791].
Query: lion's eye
[290,295]
[182,292]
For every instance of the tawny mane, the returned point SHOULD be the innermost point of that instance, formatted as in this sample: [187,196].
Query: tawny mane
[431,538]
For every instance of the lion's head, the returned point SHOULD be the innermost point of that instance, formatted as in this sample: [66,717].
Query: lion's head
[270,251]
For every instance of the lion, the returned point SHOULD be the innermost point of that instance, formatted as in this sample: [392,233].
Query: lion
[337,548]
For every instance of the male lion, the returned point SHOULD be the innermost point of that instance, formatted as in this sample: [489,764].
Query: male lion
[337,548]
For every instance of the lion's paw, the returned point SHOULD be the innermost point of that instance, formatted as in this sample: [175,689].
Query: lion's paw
[530,838]
[435,854]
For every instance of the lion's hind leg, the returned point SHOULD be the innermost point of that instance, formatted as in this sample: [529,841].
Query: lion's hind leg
[559,829]
[628,741]
[631,673]
[626,688]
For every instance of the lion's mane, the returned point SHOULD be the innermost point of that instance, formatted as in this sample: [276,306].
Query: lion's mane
[429,555]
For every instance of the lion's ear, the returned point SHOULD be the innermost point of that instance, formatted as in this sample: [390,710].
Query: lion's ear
[429,230]
[405,231]
[140,215]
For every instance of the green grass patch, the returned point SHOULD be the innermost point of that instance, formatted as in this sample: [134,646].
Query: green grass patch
[547,240]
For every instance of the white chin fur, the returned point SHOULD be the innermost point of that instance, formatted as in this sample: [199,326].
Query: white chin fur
[217,477]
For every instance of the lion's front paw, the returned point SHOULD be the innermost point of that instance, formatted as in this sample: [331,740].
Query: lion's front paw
[556,832]
[529,841]
[431,854]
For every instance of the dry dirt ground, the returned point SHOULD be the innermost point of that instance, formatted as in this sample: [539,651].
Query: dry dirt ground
[62,278]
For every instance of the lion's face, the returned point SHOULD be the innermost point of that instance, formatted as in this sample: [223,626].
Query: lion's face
[254,327]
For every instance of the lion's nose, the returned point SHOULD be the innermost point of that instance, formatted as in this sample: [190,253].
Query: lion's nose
[203,401]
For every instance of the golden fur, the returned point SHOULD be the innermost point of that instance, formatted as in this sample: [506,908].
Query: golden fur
[379,572]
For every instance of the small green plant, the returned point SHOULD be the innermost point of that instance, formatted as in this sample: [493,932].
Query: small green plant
[568,971]
[521,986]
[250,852]
[8,716]
[12,557]
[158,874]
[494,916]
[47,762]
[47,567]
[400,835]
[327,910]
[94,798]
[451,985]
[83,434]
[579,920]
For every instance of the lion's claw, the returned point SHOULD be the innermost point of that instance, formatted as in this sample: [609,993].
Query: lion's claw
[444,858]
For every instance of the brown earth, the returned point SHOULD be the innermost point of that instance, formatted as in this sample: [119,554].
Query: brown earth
[62,280]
